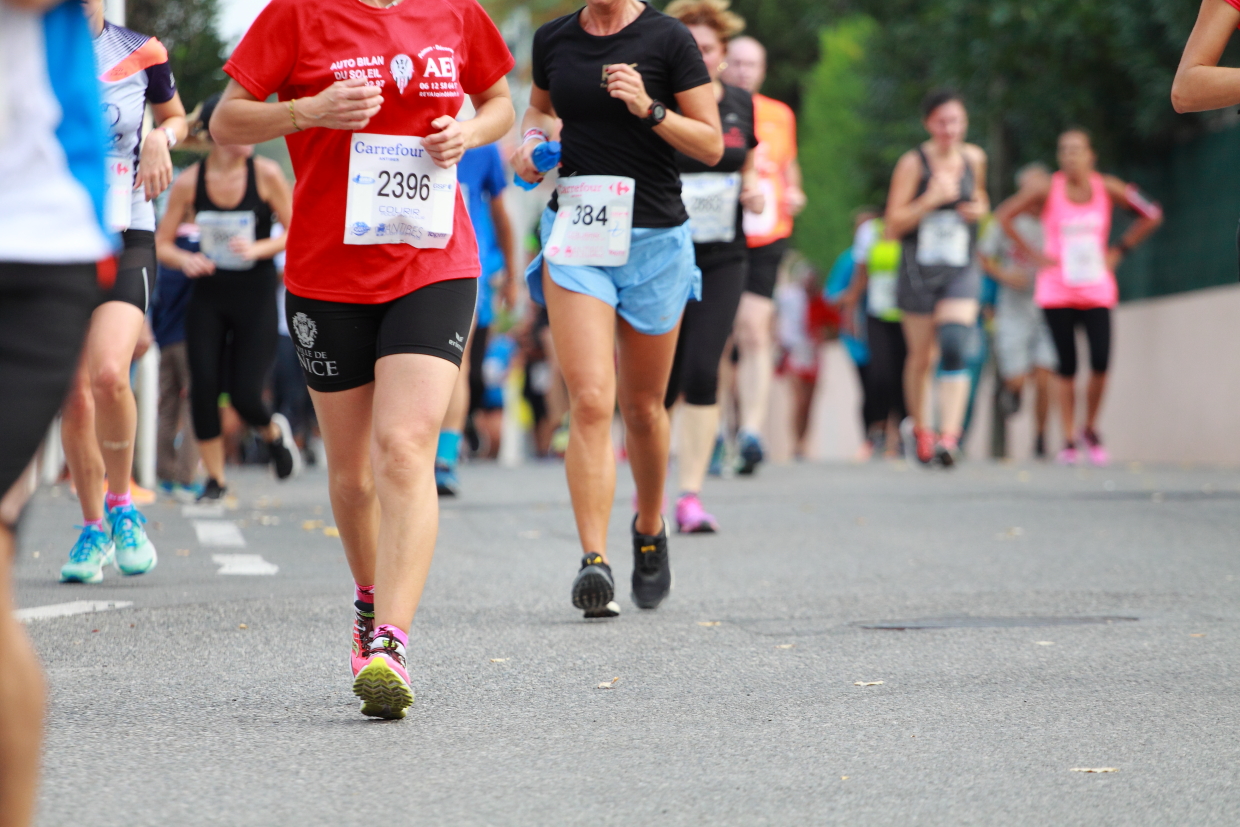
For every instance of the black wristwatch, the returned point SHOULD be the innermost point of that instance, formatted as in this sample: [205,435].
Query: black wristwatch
[656,114]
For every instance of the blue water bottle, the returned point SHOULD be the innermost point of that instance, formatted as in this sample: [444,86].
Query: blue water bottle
[546,157]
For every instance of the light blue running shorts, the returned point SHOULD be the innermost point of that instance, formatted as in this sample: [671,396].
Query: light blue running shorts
[649,292]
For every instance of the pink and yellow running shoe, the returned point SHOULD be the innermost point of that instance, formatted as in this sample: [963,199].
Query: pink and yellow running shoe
[691,518]
[382,683]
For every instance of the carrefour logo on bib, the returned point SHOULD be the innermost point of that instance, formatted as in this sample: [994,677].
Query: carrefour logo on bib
[397,149]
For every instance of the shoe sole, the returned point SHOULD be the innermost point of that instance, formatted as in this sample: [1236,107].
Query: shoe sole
[383,692]
[700,528]
[612,609]
[286,434]
[593,593]
[445,490]
[97,577]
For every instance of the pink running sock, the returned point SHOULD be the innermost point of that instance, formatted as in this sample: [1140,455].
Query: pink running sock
[117,500]
[94,523]
[366,594]
[385,629]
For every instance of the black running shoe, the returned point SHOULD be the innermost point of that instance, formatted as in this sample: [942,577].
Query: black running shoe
[212,491]
[594,589]
[1039,447]
[281,458]
[652,574]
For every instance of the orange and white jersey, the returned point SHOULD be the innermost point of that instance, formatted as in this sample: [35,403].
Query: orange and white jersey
[776,127]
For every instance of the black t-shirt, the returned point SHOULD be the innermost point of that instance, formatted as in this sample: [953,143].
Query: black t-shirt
[601,136]
[736,116]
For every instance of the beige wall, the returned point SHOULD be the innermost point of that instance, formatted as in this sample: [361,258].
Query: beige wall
[1174,394]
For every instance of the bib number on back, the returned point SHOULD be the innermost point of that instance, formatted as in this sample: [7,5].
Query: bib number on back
[396,193]
[594,223]
[943,239]
[710,199]
[762,224]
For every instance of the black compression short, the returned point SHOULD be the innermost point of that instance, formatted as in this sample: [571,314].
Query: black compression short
[764,267]
[135,272]
[1063,322]
[338,343]
[44,313]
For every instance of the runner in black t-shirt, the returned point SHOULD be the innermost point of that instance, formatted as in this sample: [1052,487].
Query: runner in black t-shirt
[713,196]
[617,244]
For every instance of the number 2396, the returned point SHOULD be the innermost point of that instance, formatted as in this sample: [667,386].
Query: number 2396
[415,186]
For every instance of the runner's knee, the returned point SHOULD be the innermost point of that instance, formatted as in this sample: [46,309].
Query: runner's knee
[953,344]
[109,382]
[592,407]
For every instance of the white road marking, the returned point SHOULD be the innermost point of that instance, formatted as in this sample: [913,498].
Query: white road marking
[77,607]
[215,510]
[223,533]
[243,564]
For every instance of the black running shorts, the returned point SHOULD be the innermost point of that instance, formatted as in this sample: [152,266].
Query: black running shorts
[764,268]
[44,313]
[338,343]
[135,271]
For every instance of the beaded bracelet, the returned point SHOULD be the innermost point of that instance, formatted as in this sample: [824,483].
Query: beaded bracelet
[293,114]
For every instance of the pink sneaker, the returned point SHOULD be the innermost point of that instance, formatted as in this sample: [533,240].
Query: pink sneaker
[363,629]
[1098,455]
[382,683]
[691,518]
[1068,456]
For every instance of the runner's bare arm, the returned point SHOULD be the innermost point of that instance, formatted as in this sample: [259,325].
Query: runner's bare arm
[980,204]
[540,116]
[696,132]
[179,210]
[1149,216]
[794,194]
[493,118]
[241,118]
[752,198]
[155,163]
[273,188]
[906,209]
[1200,83]
[1023,200]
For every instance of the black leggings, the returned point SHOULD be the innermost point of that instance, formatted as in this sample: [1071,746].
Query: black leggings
[233,314]
[1063,322]
[44,313]
[884,375]
[705,329]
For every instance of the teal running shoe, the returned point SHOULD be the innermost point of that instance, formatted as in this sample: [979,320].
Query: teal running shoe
[446,481]
[135,553]
[92,551]
[718,456]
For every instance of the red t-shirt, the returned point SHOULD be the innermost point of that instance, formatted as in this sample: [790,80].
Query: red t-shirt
[296,49]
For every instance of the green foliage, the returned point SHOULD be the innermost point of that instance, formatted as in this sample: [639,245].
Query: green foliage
[187,29]
[1029,68]
[833,137]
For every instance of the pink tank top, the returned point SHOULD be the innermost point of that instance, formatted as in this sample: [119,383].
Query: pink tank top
[1077,236]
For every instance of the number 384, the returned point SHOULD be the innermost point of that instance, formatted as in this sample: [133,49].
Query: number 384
[586,215]
[415,186]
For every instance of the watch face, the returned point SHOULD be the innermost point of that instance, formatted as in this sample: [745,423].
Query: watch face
[658,112]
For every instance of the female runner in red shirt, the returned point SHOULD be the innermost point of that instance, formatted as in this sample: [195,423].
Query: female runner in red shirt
[382,264]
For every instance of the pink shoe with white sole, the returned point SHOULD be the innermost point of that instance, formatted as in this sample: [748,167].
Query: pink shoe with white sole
[1098,455]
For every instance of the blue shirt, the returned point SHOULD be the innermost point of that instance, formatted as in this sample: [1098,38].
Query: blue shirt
[838,280]
[170,299]
[481,176]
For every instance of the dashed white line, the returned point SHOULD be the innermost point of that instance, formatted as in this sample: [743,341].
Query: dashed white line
[222,533]
[203,510]
[243,564]
[77,607]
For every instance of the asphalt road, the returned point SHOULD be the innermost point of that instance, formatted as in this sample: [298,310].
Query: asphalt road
[224,699]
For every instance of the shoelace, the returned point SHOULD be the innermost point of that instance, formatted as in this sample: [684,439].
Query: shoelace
[127,525]
[364,623]
[88,545]
[388,646]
